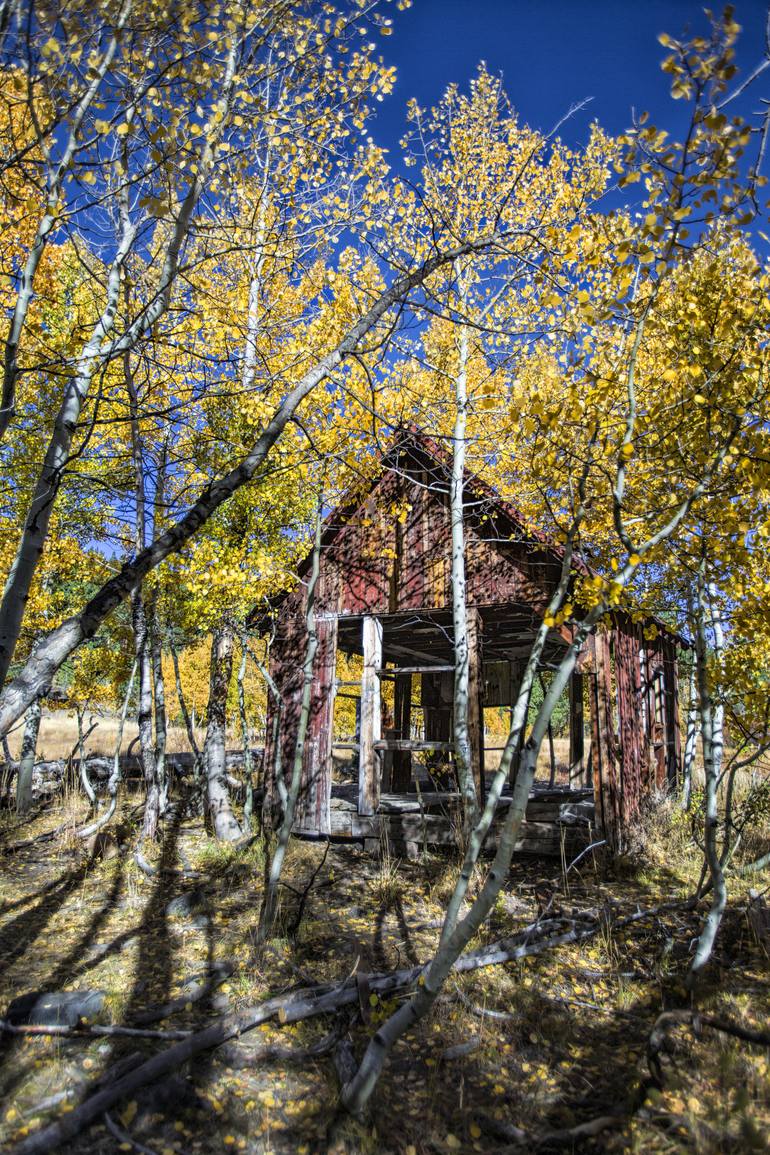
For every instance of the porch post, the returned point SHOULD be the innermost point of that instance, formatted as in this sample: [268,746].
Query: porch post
[576,743]
[402,722]
[476,700]
[371,719]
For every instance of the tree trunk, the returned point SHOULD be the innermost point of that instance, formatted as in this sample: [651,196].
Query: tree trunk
[57,457]
[27,759]
[85,781]
[159,694]
[144,717]
[248,805]
[690,742]
[269,905]
[57,646]
[462,735]
[711,741]
[189,722]
[113,781]
[356,1094]
[220,809]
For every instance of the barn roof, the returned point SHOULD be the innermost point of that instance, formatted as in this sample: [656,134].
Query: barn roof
[410,440]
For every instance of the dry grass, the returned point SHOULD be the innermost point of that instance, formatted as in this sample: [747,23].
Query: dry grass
[59,735]
[569,1046]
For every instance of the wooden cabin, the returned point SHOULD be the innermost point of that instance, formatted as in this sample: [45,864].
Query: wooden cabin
[383,595]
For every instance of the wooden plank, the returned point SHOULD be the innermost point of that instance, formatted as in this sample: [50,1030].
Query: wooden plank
[402,759]
[576,739]
[476,699]
[605,770]
[371,719]
[497,683]
[412,744]
[671,706]
[340,822]
[363,826]
[315,793]
[395,672]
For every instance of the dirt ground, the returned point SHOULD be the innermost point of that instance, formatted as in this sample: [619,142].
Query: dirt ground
[566,1045]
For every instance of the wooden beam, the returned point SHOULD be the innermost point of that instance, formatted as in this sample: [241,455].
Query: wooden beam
[576,738]
[402,759]
[371,718]
[315,794]
[671,706]
[399,671]
[409,744]
[606,784]
[476,699]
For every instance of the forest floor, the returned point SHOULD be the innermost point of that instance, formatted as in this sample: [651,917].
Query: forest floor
[570,1046]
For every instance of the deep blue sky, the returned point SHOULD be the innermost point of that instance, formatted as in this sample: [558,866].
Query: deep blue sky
[553,53]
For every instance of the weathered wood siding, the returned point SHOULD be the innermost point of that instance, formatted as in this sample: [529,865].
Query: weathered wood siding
[392,553]
[389,553]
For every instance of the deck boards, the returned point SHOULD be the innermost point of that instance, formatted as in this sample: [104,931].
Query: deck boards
[555,819]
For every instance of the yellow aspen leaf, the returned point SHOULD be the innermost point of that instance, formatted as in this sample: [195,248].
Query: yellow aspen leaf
[128,1115]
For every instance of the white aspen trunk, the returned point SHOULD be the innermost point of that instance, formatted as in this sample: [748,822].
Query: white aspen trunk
[253,317]
[35,530]
[27,758]
[85,781]
[270,902]
[113,782]
[370,730]
[356,1093]
[718,635]
[159,701]
[462,737]
[711,739]
[188,722]
[142,649]
[144,716]
[57,646]
[248,805]
[96,352]
[691,740]
[223,821]
[46,225]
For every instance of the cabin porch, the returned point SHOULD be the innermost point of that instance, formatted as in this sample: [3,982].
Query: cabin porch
[558,822]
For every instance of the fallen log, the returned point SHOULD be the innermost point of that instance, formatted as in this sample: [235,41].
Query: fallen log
[294,1007]
[87,1032]
[695,1019]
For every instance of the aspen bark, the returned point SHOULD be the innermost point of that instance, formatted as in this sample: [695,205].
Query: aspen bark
[270,902]
[113,782]
[97,352]
[691,740]
[57,646]
[223,821]
[188,721]
[248,805]
[462,736]
[711,742]
[27,758]
[37,520]
[144,716]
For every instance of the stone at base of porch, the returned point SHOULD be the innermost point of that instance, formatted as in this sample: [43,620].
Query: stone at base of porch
[557,822]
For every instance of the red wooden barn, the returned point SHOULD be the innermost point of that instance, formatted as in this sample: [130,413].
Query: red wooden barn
[383,593]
